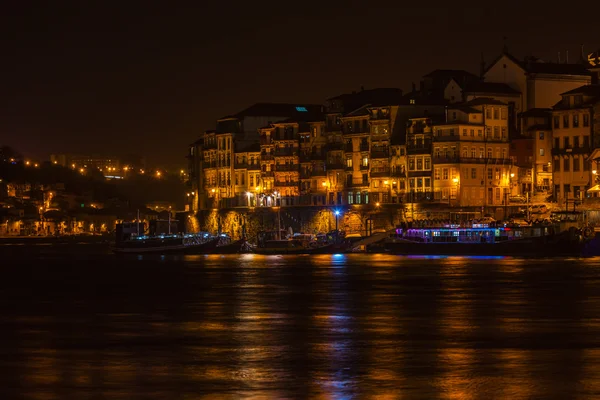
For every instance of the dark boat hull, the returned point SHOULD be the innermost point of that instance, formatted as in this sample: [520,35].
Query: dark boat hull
[560,245]
[236,247]
[327,249]
[174,248]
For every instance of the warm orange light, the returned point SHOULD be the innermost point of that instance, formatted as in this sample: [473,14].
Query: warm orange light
[36,165]
[386,182]
[213,190]
[27,163]
[455,180]
[158,173]
[377,204]
[81,170]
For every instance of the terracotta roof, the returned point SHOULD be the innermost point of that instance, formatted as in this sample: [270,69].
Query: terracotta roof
[490,87]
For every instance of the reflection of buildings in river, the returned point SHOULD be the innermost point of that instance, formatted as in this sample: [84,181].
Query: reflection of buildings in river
[385,353]
[333,347]
[256,333]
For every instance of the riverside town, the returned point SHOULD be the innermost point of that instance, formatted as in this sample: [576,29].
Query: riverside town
[456,158]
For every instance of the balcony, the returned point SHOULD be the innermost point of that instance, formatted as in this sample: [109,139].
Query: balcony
[364,167]
[357,184]
[348,148]
[287,184]
[212,164]
[364,147]
[398,173]
[335,165]
[210,145]
[471,160]
[266,156]
[571,150]
[267,174]
[418,149]
[285,151]
[380,172]
[318,172]
[305,157]
[317,156]
[286,167]
[380,153]
[349,168]
[253,167]
[333,146]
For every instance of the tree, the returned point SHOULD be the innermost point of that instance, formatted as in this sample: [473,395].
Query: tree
[7,153]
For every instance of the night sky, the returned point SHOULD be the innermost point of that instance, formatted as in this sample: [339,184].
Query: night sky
[149,77]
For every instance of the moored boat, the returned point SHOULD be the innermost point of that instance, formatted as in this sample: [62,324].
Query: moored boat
[481,239]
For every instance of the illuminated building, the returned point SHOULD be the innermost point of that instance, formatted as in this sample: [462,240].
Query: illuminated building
[470,155]
[574,123]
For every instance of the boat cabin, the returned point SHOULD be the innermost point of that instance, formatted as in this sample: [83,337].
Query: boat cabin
[478,233]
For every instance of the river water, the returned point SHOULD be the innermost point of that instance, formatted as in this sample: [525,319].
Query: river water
[329,326]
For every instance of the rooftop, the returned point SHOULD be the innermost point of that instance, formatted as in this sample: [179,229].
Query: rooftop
[289,110]
[490,87]
[586,90]
[484,101]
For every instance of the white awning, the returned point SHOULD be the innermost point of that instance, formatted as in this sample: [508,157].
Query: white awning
[594,189]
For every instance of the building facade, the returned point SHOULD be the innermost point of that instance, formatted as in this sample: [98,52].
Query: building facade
[575,127]
[471,155]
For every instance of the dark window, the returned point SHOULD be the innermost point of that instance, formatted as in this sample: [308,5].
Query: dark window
[556,121]
[576,141]
[576,121]
[586,120]
[565,121]
[566,164]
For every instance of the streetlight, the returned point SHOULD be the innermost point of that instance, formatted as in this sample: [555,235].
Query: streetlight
[337,213]
[275,195]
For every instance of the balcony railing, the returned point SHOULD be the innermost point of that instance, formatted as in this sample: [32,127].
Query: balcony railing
[287,184]
[357,184]
[335,165]
[471,160]
[266,156]
[380,172]
[348,148]
[331,146]
[267,174]
[253,167]
[241,165]
[364,147]
[398,173]
[380,153]
[318,172]
[285,151]
[286,167]
[418,149]
[364,167]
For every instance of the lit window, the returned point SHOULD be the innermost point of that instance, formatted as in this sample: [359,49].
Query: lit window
[412,101]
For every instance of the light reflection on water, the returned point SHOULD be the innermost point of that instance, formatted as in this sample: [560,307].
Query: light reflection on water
[323,326]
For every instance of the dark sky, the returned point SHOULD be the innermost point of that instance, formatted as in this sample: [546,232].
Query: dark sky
[149,77]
